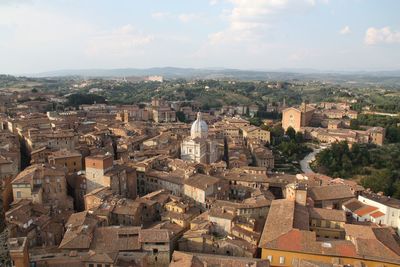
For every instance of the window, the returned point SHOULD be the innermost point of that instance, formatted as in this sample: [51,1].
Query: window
[99,265]
[281,260]
[270,259]
[91,265]
[18,194]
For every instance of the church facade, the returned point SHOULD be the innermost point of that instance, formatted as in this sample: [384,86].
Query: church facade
[198,147]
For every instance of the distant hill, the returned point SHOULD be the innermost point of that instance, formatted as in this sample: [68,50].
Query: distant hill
[364,77]
[167,72]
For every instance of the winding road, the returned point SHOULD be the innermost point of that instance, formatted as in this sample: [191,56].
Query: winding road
[305,163]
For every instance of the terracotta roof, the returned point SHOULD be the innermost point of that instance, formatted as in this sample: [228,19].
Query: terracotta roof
[186,259]
[181,259]
[240,175]
[221,213]
[279,221]
[374,242]
[201,181]
[127,207]
[327,214]
[24,211]
[64,154]
[377,214]
[365,210]
[154,236]
[79,234]
[330,192]
[353,204]
[102,257]
[301,218]
[172,177]
[364,242]
[116,238]
[38,171]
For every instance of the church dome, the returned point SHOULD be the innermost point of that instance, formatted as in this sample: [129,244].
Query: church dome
[199,128]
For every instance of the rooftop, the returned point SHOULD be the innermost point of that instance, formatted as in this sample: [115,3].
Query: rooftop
[154,236]
[330,192]
[388,201]
[364,242]
[202,181]
[327,214]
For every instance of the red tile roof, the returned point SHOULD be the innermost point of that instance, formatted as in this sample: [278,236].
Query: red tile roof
[377,214]
[365,210]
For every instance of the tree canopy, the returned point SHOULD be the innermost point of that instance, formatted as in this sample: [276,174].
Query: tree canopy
[82,99]
[376,167]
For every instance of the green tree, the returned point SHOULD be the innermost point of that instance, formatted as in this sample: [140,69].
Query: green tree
[354,124]
[346,163]
[81,99]
[393,134]
[378,181]
[277,131]
[396,189]
[291,133]
[256,121]
[299,137]
[181,116]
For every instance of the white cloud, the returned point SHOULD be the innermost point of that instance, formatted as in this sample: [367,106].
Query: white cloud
[249,18]
[31,24]
[123,41]
[188,17]
[160,15]
[183,17]
[383,35]
[213,2]
[299,55]
[345,30]
[45,38]
[312,2]
[14,2]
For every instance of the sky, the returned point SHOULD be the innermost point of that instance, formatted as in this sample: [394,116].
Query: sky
[342,35]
